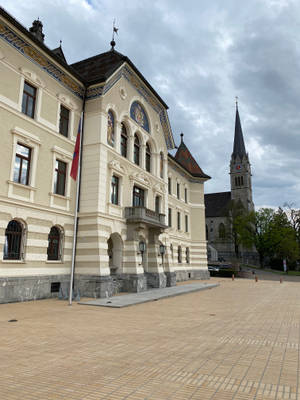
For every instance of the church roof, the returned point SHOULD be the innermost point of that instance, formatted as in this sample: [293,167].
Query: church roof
[216,204]
[99,68]
[185,159]
[238,145]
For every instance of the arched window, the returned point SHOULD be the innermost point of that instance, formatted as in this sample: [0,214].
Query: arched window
[179,255]
[161,165]
[110,129]
[54,239]
[222,231]
[124,138]
[13,241]
[187,255]
[148,158]
[136,150]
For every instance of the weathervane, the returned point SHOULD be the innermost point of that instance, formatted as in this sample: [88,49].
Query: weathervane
[115,30]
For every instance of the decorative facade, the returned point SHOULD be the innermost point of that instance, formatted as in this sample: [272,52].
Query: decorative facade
[141,216]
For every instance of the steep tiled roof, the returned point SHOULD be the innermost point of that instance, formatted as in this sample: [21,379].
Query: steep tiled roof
[184,157]
[216,204]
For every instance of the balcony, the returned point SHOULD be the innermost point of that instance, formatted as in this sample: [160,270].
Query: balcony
[146,216]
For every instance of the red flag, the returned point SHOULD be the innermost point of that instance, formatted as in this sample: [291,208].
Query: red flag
[75,162]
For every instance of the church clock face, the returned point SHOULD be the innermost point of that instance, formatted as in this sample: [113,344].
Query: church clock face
[238,167]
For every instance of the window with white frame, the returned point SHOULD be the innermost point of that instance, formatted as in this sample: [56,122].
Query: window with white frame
[22,164]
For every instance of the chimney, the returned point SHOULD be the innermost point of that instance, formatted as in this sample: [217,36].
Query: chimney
[37,30]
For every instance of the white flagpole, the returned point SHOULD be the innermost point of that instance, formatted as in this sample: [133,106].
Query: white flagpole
[76,214]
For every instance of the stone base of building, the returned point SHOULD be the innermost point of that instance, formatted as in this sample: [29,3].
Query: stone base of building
[133,283]
[192,274]
[13,289]
[156,280]
[95,286]
[171,278]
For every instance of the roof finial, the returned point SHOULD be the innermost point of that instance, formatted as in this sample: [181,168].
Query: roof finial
[181,137]
[60,43]
[115,30]
[236,102]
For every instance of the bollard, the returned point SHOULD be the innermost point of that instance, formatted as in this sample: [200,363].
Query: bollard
[232,277]
[281,279]
[256,278]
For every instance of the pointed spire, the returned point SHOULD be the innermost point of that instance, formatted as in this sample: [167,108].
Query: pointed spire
[238,145]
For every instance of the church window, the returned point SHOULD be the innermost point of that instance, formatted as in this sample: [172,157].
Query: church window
[148,158]
[123,142]
[137,113]
[110,129]
[222,231]
[136,150]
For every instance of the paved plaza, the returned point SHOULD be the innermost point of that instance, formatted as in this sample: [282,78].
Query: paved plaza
[239,340]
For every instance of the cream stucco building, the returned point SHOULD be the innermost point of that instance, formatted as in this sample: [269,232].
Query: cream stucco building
[141,219]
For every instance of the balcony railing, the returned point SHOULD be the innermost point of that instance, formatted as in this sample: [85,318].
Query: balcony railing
[143,214]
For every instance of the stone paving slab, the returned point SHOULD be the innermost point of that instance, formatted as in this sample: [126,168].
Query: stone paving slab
[150,295]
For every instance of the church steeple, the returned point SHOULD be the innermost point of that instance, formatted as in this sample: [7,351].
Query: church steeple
[240,168]
[238,145]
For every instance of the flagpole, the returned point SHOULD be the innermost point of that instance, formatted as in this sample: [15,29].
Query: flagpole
[76,211]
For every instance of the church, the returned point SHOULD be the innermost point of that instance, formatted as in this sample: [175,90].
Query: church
[218,206]
[141,214]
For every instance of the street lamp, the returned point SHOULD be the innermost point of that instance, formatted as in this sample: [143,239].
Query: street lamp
[162,250]
[142,249]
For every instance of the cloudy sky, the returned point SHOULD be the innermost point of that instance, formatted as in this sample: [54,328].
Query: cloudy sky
[199,55]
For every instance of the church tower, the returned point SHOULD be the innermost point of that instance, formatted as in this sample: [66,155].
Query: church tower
[240,169]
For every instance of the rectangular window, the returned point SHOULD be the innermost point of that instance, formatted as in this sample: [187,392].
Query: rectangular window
[64,121]
[178,221]
[170,217]
[138,197]
[28,101]
[22,164]
[157,204]
[186,223]
[115,190]
[60,177]
[185,195]
[169,186]
[178,191]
